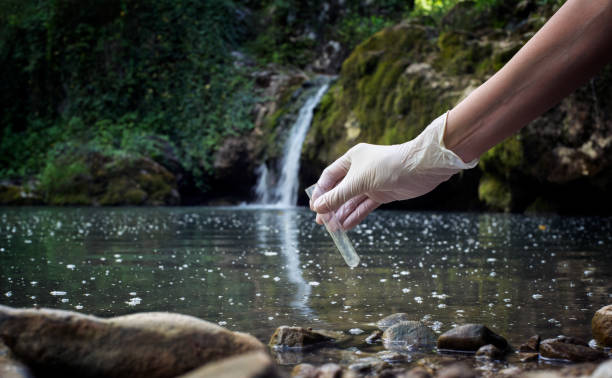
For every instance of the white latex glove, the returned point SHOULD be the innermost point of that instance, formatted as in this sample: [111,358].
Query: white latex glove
[369,175]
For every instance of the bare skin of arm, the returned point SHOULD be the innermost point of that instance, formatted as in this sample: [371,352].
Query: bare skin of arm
[568,50]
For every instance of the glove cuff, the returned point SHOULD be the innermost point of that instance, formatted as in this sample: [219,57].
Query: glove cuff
[447,155]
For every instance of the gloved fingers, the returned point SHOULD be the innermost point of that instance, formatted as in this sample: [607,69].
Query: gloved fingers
[330,177]
[360,212]
[333,199]
[348,207]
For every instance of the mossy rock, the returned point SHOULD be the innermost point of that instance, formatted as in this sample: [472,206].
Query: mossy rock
[108,180]
[12,194]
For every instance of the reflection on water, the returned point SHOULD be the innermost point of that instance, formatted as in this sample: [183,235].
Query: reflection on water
[254,269]
[271,220]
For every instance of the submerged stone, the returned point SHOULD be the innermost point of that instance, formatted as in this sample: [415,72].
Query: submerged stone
[153,344]
[391,320]
[298,337]
[457,370]
[601,326]
[408,335]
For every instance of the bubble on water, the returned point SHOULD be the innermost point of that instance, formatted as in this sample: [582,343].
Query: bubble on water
[405,290]
[222,323]
[270,253]
[276,279]
[313,283]
[8,294]
[64,300]
[132,293]
[265,276]
[383,280]
[78,307]
[404,272]
[270,317]
[58,293]
[418,299]
[356,331]
[70,266]
[588,272]
[537,296]
[34,283]
[134,301]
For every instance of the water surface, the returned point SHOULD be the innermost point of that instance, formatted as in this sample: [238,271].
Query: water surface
[253,270]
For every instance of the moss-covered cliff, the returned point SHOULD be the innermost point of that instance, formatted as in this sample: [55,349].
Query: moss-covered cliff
[396,82]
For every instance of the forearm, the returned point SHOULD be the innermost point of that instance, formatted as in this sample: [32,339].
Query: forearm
[569,49]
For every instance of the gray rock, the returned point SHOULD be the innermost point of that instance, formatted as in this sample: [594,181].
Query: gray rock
[601,326]
[532,345]
[138,345]
[470,337]
[409,335]
[392,357]
[10,367]
[248,365]
[490,351]
[561,349]
[603,371]
[299,337]
[391,320]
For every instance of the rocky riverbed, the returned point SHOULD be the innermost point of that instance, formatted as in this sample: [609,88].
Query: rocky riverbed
[45,342]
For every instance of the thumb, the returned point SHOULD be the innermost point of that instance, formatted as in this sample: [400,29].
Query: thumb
[333,199]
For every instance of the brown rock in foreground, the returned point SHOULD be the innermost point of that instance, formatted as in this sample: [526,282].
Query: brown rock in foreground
[140,345]
[249,365]
[601,326]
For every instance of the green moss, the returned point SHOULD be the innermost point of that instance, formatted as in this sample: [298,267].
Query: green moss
[504,158]
[495,193]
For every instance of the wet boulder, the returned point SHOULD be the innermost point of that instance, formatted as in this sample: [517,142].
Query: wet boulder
[64,343]
[248,365]
[409,335]
[391,320]
[470,337]
[601,326]
[570,349]
[299,337]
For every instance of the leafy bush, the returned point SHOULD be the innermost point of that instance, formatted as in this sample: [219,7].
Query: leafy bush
[109,72]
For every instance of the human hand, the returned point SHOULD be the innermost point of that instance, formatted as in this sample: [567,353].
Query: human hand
[369,175]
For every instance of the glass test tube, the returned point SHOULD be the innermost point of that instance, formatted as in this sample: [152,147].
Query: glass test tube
[338,234]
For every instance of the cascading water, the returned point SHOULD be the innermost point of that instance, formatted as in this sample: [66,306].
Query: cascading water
[283,192]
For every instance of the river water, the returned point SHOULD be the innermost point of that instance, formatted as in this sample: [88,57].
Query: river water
[254,269]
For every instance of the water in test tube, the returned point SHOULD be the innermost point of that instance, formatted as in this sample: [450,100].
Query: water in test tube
[338,234]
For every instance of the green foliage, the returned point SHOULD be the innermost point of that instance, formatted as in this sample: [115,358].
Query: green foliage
[110,73]
[61,182]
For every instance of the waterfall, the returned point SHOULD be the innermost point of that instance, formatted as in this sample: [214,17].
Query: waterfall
[283,192]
